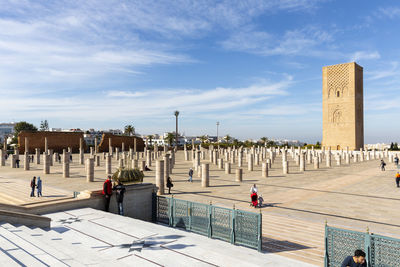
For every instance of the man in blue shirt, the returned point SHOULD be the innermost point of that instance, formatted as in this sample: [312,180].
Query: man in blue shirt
[358,260]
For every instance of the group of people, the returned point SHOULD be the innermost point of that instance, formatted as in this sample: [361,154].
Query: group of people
[119,189]
[36,184]
[256,200]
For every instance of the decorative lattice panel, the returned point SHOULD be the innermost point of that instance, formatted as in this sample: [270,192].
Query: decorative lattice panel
[163,209]
[200,218]
[246,228]
[338,80]
[180,213]
[342,243]
[385,251]
[221,223]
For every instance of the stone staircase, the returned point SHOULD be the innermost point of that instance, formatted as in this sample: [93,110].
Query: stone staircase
[86,236]
[293,238]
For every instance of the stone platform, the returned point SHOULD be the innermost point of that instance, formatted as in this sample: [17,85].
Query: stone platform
[90,237]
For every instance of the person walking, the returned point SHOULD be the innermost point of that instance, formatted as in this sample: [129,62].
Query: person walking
[33,185]
[260,201]
[120,191]
[107,192]
[397,179]
[254,189]
[396,161]
[169,184]
[17,162]
[383,164]
[190,175]
[39,187]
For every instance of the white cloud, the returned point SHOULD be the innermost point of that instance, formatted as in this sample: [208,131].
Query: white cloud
[389,12]
[365,55]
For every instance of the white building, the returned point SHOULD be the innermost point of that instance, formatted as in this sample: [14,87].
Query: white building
[6,129]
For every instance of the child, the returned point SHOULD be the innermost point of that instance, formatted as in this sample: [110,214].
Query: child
[260,201]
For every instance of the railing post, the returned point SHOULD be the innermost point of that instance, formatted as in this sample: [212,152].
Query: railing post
[367,247]
[171,210]
[189,212]
[233,225]
[326,260]
[209,220]
[260,232]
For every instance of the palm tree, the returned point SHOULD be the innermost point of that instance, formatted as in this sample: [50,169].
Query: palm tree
[170,138]
[203,139]
[227,138]
[129,130]
[264,140]
[150,138]
[176,113]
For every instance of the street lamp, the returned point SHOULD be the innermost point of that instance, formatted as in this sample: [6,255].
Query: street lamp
[217,132]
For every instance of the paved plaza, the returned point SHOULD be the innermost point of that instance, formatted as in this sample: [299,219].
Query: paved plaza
[354,196]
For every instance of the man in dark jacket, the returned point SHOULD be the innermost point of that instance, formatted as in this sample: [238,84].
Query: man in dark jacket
[107,192]
[120,191]
[358,260]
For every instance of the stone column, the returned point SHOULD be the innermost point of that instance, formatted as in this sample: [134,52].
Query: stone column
[143,165]
[91,150]
[316,163]
[110,148]
[269,163]
[250,164]
[227,167]
[220,163]
[160,177]
[328,160]
[302,162]
[81,152]
[134,145]
[205,178]
[46,163]
[26,145]
[233,158]
[89,170]
[50,153]
[46,146]
[186,155]
[26,161]
[108,164]
[347,156]
[361,155]
[117,153]
[339,160]
[355,159]
[166,167]
[197,159]
[65,169]
[239,175]
[256,159]
[13,159]
[285,166]
[2,157]
[297,158]
[264,170]
[123,147]
[199,172]
[148,158]
[134,164]
[240,160]
[37,150]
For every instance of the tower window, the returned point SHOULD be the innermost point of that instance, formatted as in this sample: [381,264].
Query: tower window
[337,93]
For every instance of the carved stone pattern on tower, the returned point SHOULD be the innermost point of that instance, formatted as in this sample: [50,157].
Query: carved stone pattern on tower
[336,113]
[338,80]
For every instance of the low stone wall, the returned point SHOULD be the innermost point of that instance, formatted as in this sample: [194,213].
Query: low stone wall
[137,202]
[55,140]
[117,140]
[24,219]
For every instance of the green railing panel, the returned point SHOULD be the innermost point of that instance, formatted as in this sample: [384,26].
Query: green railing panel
[246,228]
[163,206]
[234,226]
[181,213]
[199,218]
[381,251]
[342,243]
[385,251]
[221,223]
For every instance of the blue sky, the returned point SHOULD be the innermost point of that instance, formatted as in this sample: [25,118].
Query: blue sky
[254,66]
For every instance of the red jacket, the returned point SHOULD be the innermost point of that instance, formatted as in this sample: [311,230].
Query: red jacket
[107,187]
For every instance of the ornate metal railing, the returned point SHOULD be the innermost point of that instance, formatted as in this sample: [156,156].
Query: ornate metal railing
[380,250]
[235,226]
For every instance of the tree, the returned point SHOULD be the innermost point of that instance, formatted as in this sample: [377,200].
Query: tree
[270,143]
[227,138]
[264,140]
[170,138]
[129,130]
[44,125]
[150,138]
[22,126]
[203,139]
[176,113]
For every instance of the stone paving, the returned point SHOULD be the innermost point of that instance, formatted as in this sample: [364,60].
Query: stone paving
[296,205]
[88,237]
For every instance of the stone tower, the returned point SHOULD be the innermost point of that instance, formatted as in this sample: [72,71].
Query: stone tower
[342,106]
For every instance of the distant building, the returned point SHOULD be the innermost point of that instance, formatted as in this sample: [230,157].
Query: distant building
[378,146]
[6,129]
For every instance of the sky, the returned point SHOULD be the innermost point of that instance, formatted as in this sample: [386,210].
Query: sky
[253,66]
